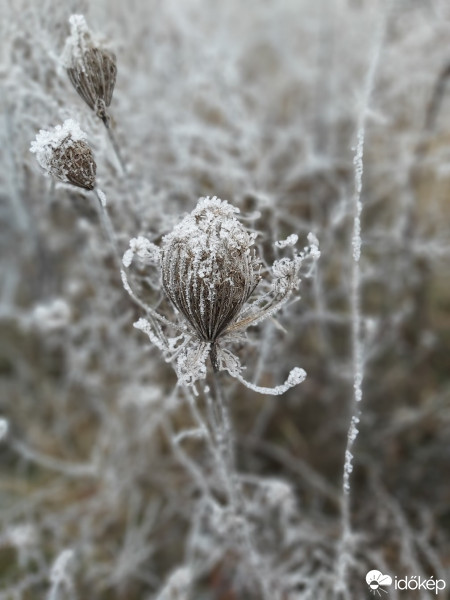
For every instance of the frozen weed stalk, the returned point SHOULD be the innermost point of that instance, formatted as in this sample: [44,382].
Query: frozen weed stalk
[213,278]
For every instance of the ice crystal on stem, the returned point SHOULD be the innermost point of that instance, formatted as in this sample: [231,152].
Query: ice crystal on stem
[210,272]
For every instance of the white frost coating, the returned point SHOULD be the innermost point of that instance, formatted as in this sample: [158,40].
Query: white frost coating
[4,428]
[277,491]
[177,586]
[143,249]
[343,561]
[59,572]
[348,465]
[296,376]
[46,142]
[289,241]
[313,245]
[348,468]
[196,434]
[358,165]
[285,276]
[191,363]
[208,232]
[77,42]
[52,316]
[101,197]
[145,326]
[128,257]
[21,536]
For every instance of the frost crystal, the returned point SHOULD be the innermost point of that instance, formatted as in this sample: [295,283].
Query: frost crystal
[210,272]
[101,197]
[313,245]
[289,241]
[63,153]
[143,249]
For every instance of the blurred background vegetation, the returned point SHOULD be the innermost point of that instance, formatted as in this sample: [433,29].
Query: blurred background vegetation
[257,103]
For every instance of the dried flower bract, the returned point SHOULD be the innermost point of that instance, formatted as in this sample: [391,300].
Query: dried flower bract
[91,67]
[64,153]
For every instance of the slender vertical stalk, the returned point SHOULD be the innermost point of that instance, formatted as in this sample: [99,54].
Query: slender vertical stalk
[115,144]
[108,226]
[345,546]
[224,438]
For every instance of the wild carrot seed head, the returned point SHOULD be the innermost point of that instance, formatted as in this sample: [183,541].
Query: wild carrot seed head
[90,66]
[209,271]
[208,267]
[64,153]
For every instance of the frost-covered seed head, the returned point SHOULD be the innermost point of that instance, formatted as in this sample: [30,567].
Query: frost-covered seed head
[91,67]
[65,154]
[209,272]
[208,267]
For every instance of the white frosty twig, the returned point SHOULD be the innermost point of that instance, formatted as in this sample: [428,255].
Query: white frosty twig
[346,540]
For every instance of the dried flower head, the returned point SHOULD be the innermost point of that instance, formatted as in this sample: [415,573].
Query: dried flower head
[91,67]
[211,275]
[209,268]
[65,154]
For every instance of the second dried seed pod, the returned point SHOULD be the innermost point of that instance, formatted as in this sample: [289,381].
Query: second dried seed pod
[90,66]
[64,153]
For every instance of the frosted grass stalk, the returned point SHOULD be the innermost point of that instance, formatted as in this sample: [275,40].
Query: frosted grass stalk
[346,540]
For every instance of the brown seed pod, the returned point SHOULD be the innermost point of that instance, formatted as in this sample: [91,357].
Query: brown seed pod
[90,66]
[208,268]
[210,272]
[77,164]
[64,153]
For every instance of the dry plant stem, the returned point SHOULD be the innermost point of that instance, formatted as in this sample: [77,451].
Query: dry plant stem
[220,424]
[223,435]
[115,144]
[184,459]
[54,464]
[346,542]
[110,232]
[131,190]
[108,227]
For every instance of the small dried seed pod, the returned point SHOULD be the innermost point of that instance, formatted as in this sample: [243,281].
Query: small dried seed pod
[91,67]
[208,267]
[64,153]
